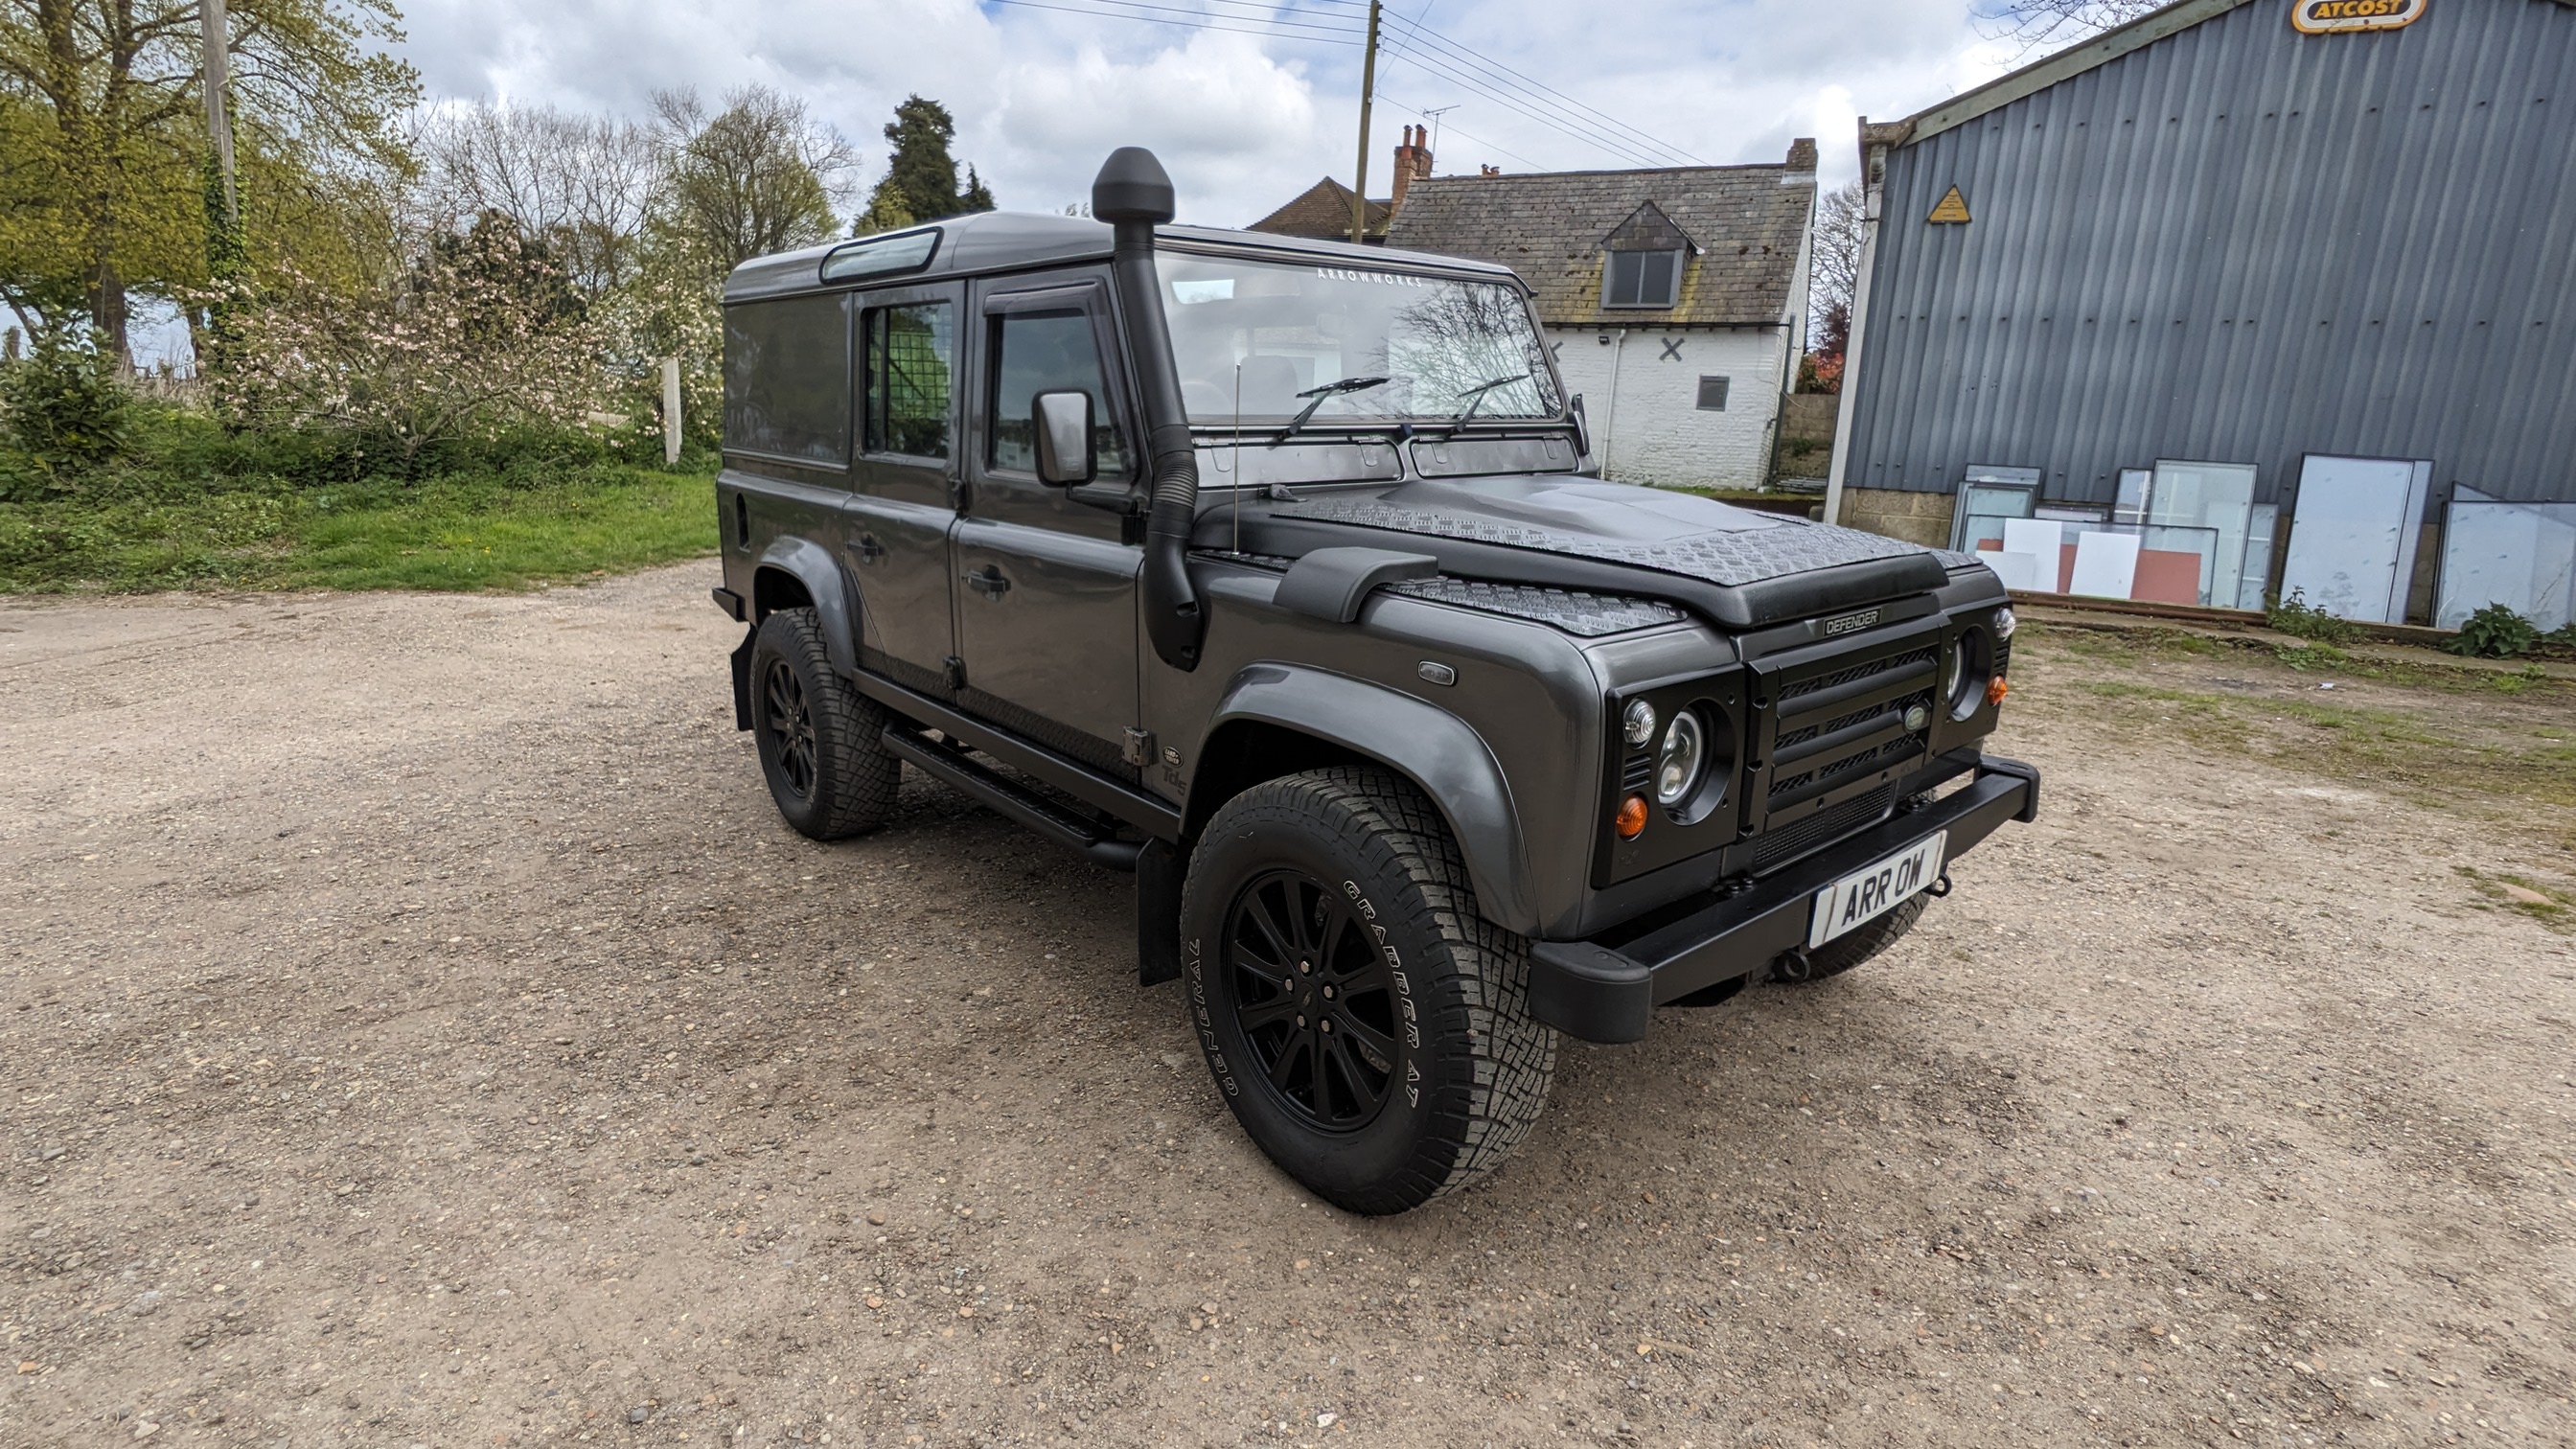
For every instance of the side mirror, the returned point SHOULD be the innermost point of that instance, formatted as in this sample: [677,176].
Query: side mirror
[1582,428]
[1063,428]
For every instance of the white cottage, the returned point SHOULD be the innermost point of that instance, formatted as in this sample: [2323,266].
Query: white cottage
[1675,300]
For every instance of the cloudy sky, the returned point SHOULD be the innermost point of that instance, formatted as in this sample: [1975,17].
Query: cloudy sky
[1245,120]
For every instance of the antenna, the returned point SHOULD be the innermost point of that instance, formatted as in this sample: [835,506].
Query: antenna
[1433,116]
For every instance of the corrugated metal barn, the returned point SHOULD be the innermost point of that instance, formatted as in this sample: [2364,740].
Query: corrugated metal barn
[2271,240]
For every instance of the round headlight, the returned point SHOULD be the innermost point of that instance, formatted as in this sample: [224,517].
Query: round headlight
[1971,661]
[1683,760]
[1638,724]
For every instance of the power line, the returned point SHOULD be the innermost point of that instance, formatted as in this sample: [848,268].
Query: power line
[1426,50]
[1448,49]
[1462,135]
[1587,119]
[1318,39]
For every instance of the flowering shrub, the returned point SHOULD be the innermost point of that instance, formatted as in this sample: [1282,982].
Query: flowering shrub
[668,309]
[482,337]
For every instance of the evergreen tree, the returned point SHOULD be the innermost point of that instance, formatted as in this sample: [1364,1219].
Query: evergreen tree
[921,177]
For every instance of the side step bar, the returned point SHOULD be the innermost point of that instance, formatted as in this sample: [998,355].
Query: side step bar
[954,768]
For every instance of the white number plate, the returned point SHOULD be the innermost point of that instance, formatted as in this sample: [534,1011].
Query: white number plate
[1873,891]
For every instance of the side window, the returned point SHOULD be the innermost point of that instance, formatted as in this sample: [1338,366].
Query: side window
[787,378]
[909,351]
[1049,351]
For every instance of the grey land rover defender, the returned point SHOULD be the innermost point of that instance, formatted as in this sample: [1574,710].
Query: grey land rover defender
[1269,570]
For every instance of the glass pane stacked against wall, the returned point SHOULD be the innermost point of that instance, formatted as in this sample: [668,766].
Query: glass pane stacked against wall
[2353,529]
[2180,533]
[2520,555]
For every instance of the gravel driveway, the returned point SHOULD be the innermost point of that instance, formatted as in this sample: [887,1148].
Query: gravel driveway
[417,1028]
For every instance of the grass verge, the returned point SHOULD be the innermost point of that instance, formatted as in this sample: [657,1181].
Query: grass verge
[456,531]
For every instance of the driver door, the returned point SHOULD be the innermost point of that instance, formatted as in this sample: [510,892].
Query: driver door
[1046,583]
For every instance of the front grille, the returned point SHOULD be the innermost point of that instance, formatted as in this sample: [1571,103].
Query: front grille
[1795,690]
[1789,842]
[1847,721]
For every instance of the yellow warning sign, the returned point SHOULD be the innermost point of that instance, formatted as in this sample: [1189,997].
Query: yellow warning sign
[1953,208]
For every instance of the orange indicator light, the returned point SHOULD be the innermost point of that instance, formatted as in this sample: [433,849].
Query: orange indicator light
[1632,817]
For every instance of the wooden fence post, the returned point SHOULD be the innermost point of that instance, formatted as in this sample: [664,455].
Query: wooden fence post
[670,410]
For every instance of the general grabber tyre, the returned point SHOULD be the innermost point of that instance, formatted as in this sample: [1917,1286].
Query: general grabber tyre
[1368,1028]
[819,746]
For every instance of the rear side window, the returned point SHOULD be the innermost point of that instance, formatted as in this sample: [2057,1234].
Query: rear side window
[787,378]
[1049,351]
[909,353]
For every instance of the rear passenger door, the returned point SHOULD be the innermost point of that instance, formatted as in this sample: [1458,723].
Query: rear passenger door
[1046,613]
[905,482]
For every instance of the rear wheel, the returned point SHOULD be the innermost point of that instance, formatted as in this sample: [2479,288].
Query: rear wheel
[827,769]
[1366,1026]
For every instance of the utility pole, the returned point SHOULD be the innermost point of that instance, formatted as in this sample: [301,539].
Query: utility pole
[1368,91]
[218,36]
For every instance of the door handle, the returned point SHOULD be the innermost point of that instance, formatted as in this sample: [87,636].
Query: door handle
[869,550]
[989,582]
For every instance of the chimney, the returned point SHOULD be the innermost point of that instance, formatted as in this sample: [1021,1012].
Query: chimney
[1412,163]
[1802,154]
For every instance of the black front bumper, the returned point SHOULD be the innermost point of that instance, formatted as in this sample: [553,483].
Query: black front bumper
[1605,994]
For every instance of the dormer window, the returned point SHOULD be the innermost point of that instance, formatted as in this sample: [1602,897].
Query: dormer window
[1643,259]
[1642,279]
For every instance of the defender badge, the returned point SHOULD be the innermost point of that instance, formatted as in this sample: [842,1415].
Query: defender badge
[1848,622]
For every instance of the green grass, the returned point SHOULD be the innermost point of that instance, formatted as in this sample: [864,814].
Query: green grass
[2364,745]
[196,508]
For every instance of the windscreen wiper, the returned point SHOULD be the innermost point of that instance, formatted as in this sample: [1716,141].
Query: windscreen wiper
[1479,391]
[1348,384]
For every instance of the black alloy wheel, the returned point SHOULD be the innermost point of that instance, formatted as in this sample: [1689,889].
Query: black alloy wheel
[1359,1016]
[822,746]
[1313,998]
[791,727]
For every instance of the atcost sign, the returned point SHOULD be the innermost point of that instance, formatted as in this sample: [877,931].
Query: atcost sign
[2329,17]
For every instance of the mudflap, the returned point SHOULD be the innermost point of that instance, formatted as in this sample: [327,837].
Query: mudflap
[742,681]
[1160,868]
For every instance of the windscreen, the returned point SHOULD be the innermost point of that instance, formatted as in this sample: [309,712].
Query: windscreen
[1280,330]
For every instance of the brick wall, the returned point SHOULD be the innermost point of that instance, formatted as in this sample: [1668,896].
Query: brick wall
[1653,429]
[1915,517]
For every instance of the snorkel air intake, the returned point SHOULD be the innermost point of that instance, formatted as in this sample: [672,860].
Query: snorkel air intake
[1133,194]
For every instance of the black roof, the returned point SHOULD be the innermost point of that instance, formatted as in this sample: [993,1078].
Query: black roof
[1000,240]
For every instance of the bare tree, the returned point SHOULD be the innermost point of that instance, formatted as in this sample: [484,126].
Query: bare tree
[581,184]
[1834,272]
[2041,25]
[761,176]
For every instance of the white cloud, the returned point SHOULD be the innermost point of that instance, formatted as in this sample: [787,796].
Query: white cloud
[1243,122]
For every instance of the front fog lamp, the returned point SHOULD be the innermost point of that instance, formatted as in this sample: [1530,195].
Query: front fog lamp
[1682,760]
[1637,725]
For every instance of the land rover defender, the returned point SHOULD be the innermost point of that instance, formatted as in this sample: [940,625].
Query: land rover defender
[1271,571]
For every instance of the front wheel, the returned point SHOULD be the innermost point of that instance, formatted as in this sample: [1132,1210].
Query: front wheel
[1366,1026]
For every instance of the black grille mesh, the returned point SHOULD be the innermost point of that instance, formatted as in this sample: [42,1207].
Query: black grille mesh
[1862,670]
[1786,844]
